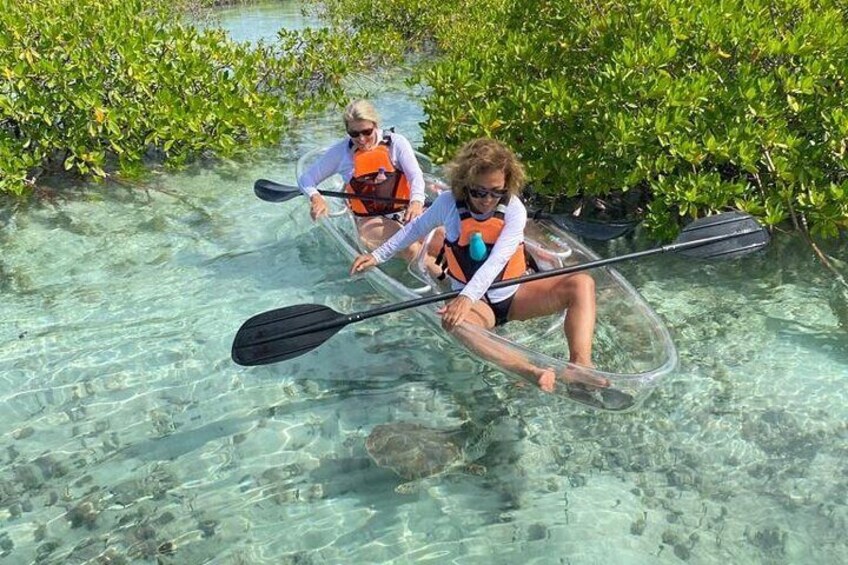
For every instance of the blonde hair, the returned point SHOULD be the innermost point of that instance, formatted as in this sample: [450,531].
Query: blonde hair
[361,110]
[481,156]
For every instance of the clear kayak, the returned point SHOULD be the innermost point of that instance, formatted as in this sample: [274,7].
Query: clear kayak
[632,348]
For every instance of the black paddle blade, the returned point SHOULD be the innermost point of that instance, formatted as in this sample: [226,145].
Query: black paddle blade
[271,191]
[743,235]
[285,333]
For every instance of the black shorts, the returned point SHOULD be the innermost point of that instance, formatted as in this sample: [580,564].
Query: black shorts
[501,310]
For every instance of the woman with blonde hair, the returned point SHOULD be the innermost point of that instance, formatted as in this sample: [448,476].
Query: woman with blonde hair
[372,162]
[484,222]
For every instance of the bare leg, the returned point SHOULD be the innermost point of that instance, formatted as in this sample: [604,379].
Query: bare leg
[433,250]
[482,316]
[375,230]
[548,296]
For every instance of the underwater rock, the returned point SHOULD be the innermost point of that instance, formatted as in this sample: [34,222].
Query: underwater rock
[669,537]
[30,476]
[144,532]
[45,549]
[681,551]
[86,551]
[156,484]
[15,509]
[637,528]
[208,527]
[51,468]
[771,540]
[536,532]
[778,433]
[86,511]
[165,518]
[23,433]
[167,548]
[144,544]
[6,543]
[84,514]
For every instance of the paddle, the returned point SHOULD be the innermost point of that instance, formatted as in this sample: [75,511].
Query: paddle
[285,333]
[271,191]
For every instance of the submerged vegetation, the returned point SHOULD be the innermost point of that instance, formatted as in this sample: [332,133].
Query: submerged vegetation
[108,86]
[692,106]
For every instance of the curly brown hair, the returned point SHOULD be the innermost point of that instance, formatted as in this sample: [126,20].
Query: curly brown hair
[478,157]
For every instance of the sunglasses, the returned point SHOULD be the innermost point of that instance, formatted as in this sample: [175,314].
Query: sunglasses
[365,132]
[480,192]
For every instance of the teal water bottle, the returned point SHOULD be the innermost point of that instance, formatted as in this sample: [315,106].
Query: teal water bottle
[477,246]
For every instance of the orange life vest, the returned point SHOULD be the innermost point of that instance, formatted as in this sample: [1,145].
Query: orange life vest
[369,168]
[457,254]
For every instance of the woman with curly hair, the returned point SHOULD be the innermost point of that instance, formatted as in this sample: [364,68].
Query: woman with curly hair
[484,222]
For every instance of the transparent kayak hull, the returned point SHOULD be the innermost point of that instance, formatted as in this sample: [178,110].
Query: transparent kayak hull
[632,348]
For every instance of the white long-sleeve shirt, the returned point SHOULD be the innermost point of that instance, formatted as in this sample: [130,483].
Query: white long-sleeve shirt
[339,159]
[443,213]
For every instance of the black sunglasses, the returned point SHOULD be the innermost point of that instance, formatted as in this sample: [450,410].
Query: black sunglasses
[480,192]
[365,132]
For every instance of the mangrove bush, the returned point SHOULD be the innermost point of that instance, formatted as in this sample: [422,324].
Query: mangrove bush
[101,86]
[698,105]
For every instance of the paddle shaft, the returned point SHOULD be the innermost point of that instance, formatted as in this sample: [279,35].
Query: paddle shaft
[271,191]
[414,303]
[351,196]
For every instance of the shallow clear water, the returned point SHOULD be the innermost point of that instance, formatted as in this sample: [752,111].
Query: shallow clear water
[127,432]
[261,20]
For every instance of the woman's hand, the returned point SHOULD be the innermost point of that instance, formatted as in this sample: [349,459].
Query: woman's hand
[414,210]
[454,312]
[318,206]
[362,263]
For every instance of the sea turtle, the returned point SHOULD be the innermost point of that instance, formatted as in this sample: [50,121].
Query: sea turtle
[415,452]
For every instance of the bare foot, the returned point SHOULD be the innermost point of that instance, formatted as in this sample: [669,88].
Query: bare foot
[581,383]
[573,375]
[547,379]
